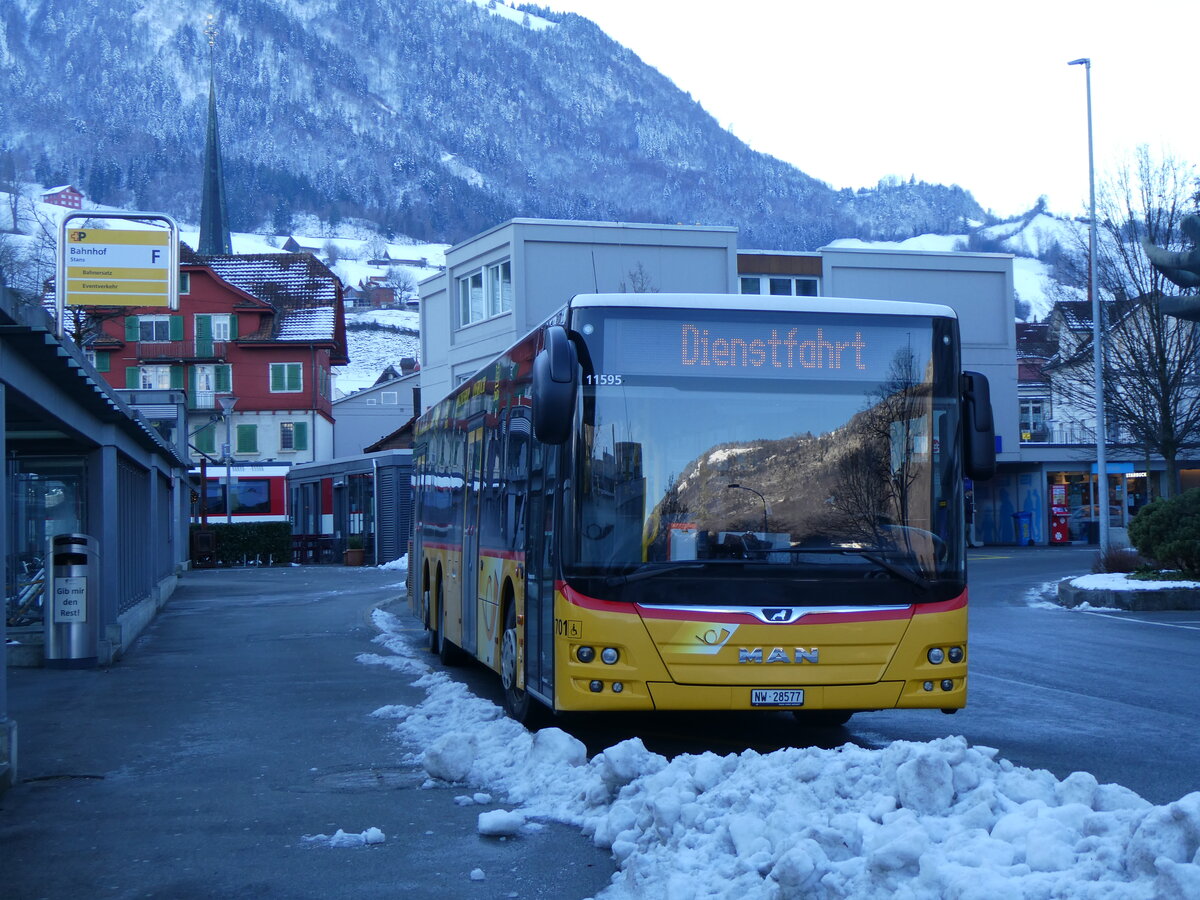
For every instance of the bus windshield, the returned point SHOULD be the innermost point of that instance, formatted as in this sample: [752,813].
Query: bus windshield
[753,457]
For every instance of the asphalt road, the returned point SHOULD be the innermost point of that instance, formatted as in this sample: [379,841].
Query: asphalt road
[237,725]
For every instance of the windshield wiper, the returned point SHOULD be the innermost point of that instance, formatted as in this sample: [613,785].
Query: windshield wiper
[901,571]
[649,570]
[882,561]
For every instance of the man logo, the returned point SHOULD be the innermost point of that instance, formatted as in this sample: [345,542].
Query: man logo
[777,615]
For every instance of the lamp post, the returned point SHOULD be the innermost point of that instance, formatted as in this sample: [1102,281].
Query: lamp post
[228,402]
[742,487]
[1097,329]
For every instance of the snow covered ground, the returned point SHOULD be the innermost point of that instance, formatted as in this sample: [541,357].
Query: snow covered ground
[941,819]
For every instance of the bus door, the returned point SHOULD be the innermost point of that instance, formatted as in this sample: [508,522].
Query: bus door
[540,575]
[470,564]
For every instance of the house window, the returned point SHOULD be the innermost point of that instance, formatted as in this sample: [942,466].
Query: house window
[213,327]
[154,378]
[780,285]
[185,282]
[485,293]
[470,298]
[287,377]
[154,329]
[247,439]
[1033,419]
[293,436]
[389,398]
[209,381]
[499,288]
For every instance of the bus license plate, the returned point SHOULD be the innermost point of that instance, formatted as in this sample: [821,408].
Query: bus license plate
[776,697]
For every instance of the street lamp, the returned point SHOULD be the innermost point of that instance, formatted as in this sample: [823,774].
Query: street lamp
[1097,331]
[228,402]
[742,487]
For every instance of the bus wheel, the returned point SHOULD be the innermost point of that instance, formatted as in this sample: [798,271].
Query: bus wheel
[823,718]
[517,703]
[448,653]
[431,626]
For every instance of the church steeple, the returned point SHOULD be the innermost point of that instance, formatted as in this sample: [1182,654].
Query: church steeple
[214,216]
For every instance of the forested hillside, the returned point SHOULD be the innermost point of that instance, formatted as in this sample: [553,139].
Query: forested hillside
[428,118]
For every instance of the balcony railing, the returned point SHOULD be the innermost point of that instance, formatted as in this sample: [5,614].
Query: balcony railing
[203,399]
[1067,433]
[180,351]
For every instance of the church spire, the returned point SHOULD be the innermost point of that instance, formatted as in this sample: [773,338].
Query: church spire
[214,217]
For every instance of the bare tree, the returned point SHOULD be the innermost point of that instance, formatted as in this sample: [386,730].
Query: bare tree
[1151,364]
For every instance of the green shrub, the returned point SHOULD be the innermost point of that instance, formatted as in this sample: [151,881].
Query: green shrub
[1168,531]
[264,542]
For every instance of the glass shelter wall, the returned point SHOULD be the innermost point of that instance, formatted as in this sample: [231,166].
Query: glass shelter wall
[48,497]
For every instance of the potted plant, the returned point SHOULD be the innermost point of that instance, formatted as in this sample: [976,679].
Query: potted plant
[354,550]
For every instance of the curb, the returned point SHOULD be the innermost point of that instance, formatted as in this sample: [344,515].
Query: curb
[1151,600]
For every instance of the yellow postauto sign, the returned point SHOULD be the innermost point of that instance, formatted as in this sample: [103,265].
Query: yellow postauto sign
[107,267]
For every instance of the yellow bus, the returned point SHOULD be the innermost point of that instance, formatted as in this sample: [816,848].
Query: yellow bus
[707,502]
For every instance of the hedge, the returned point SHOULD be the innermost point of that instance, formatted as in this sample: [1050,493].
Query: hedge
[264,543]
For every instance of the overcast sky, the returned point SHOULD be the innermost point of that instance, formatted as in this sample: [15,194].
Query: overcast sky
[974,94]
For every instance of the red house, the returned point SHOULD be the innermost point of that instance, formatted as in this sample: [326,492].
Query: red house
[263,329]
[63,195]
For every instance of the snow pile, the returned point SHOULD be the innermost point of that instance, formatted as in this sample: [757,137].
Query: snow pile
[1118,582]
[343,839]
[914,820]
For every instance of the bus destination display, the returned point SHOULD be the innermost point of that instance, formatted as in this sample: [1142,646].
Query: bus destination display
[799,348]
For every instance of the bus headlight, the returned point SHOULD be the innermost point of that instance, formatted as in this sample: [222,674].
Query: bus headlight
[937,655]
[586,654]
[947,685]
[956,654]
[618,687]
[609,655]
[595,686]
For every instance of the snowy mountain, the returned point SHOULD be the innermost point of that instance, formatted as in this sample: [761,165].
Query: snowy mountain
[429,118]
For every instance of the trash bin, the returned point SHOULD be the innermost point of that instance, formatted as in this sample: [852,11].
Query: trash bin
[1023,526]
[72,610]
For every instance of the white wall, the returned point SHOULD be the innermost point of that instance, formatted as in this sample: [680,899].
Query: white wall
[977,286]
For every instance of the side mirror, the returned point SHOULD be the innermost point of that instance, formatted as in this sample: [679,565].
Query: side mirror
[555,382]
[979,428]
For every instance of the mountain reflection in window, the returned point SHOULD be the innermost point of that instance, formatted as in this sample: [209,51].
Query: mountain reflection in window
[814,465]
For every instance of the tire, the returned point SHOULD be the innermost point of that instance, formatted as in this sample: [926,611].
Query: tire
[448,653]
[431,626]
[823,718]
[517,702]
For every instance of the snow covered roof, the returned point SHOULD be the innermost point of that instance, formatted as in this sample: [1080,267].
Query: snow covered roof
[312,324]
[305,294]
[285,280]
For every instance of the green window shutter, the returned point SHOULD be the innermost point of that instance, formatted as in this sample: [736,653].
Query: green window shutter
[133,376]
[206,440]
[295,379]
[300,436]
[191,386]
[176,327]
[247,439]
[103,362]
[204,328]
[224,379]
[176,378]
[277,377]
[131,328]
[233,332]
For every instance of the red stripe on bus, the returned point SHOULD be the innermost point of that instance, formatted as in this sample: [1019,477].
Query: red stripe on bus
[814,618]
